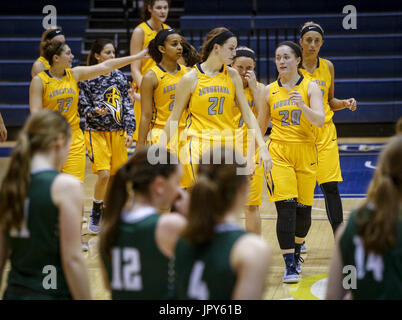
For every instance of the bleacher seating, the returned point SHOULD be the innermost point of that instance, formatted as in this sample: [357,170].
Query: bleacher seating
[20,35]
[367,60]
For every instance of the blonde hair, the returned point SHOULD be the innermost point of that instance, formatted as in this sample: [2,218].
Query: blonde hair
[39,134]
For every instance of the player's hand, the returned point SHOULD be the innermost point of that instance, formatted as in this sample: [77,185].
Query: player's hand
[265,159]
[182,202]
[350,103]
[101,111]
[142,54]
[297,98]
[134,96]
[251,80]
[128,141]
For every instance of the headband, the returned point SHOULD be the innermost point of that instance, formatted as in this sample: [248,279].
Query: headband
[245,53]
[220,39]
[162,35]
[53,33]
[311,28]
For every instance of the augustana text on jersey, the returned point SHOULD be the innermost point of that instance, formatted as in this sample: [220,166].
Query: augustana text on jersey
[61,91]
[213,89]
[283,103]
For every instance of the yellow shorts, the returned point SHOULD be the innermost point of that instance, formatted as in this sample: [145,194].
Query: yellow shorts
[75,163]
[294,171]
[178,146]
[198,151]
[329,168]
[106,150]
[255,183]
[137,113]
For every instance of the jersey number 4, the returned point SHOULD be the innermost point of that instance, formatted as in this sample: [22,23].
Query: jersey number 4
[197,288]
[126,269]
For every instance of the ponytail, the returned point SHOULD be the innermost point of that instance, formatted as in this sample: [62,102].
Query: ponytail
[38,135]
[213,194]
[377,219]
[136,176]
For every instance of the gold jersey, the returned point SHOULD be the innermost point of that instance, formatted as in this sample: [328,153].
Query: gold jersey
[44,62]
[251,103]
[164,94]
[211,105]
[322,76]
[149,34]
[61,95]
[289,125]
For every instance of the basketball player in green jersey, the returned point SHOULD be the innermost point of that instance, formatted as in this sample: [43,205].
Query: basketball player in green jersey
[215,257]
[371,243]
[40,215]
[136,241]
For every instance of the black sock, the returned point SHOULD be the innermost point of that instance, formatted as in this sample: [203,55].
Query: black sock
[333,204]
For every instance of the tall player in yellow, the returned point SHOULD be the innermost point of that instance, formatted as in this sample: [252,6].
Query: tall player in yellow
[154,15]
[158,93]
[244,62]
[322,72]
[210,90]
[294,103]
[57,89]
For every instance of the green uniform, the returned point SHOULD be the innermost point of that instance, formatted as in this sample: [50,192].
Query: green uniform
[203,272]
[138,269]
[35,248]
[378,277]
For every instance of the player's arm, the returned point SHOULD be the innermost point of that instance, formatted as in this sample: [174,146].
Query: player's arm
[35,94]
[3,131]
[136,43]
[334,103]
[148,85]
[167,232]
[67,194]
[250,119]
[250,259]
[315,113]
[3,254]
[90,72]
[184,88]
[37,67]
[335,290]
[263,111]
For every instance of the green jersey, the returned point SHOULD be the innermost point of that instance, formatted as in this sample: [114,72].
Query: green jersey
[378,276]
[137,268]
[203,271]
[35,248]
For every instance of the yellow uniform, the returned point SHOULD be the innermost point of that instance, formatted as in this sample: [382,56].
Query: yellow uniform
[44,62]
[211,115]
[146,64]
[329,168]
[62,95]
[163,101]
[291,146]
[255,190]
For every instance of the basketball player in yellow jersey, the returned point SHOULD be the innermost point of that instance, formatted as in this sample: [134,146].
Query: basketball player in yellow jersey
[294,103]
[244,63]
[322,72]
[210,91]
[158,92]
[57,89]
[154,15]
[41,64]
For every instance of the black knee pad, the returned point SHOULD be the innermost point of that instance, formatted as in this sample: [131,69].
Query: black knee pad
[333,204]
[303,220]
[286,223]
